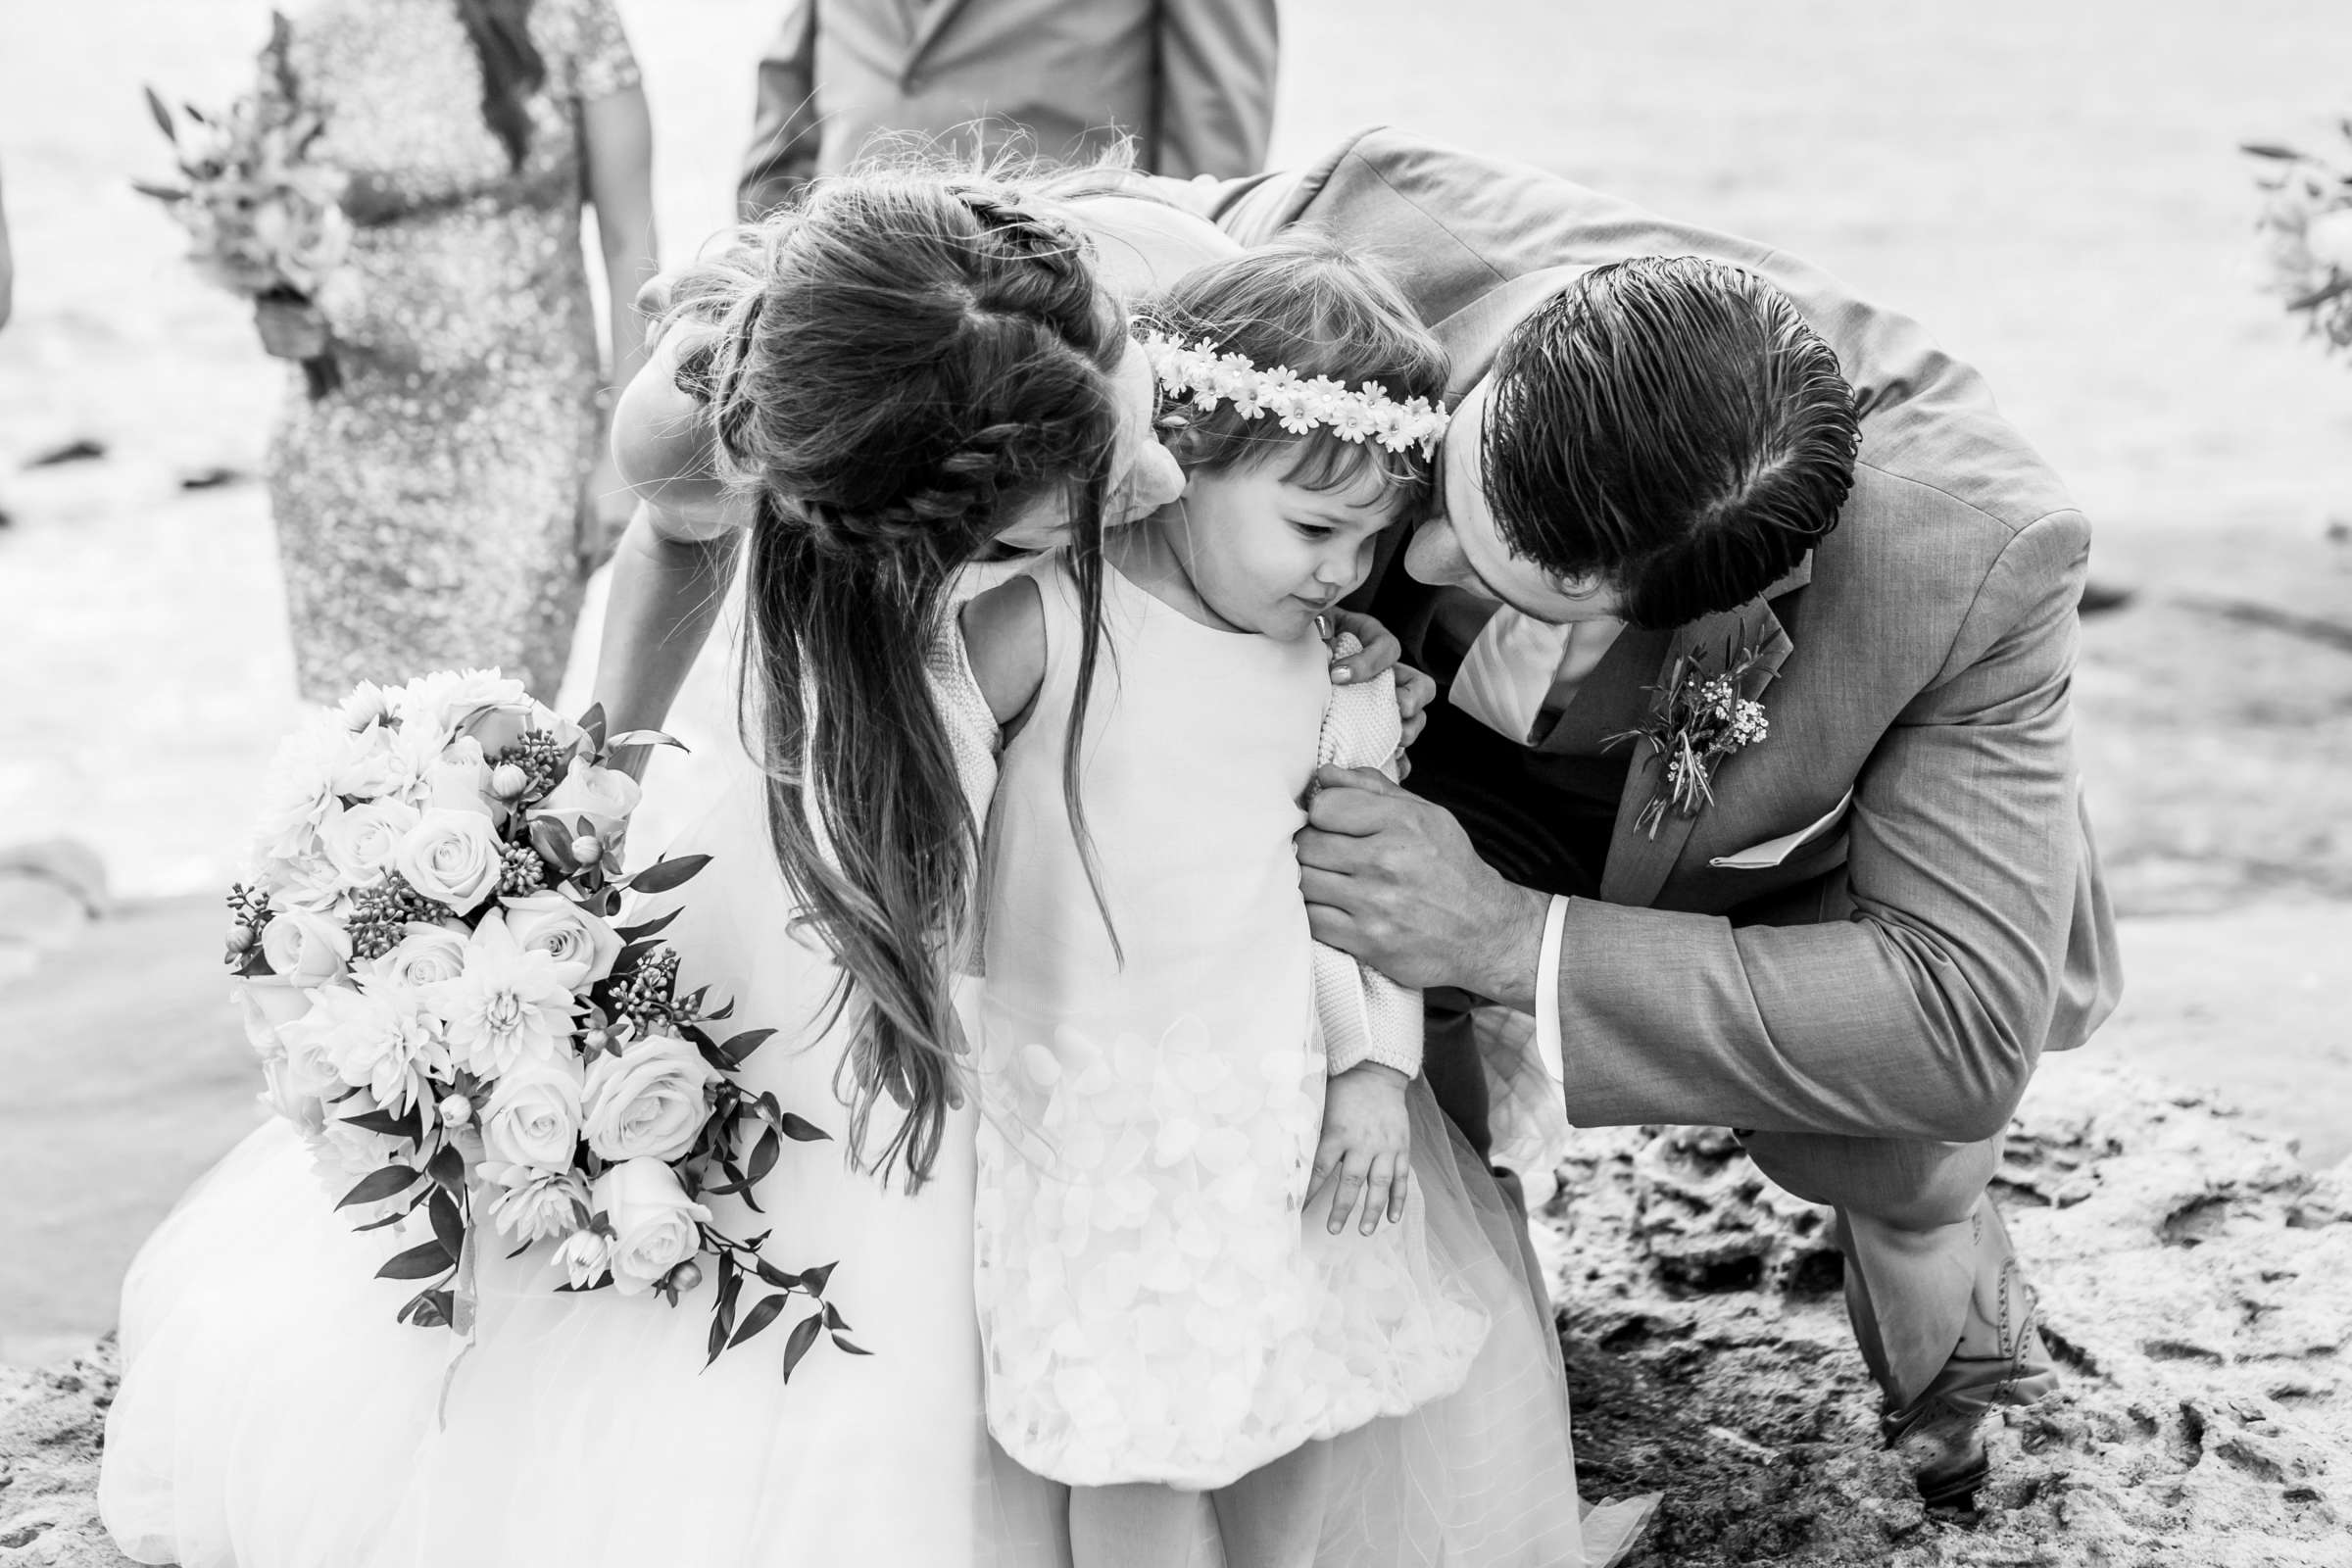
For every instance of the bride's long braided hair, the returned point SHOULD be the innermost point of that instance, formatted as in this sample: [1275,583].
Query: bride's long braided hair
[900,365]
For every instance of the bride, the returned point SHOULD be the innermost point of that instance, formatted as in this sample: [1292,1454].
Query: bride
[946,355]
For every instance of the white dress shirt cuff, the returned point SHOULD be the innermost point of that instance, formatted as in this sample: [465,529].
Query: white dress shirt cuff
[1549,1046]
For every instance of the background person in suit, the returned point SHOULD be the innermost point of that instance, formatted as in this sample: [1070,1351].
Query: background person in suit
[1191,81]
[1857,950]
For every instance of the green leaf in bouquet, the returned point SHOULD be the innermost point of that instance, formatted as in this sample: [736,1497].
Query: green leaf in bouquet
[804,1335]
[2269,149]
[781,1278]
[2340,284]
[448,1167]
[759,1317]
[800,1130]
[814,1280]
[834,1321]
[430,1308]
[648,928]
[419,1262]
[665,874]
[410,1126]
[449,1226]
[593,721]
[552,840]
[738,1049]
[629,957]
[723,1316]
[849,1346]
[647,737]
[163,115]
[162,193]
[378,1185]
[765,1154]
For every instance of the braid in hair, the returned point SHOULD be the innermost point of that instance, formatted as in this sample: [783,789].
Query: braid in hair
[922,357]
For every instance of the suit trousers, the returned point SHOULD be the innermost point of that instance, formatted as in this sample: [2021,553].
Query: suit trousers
[1909,1208]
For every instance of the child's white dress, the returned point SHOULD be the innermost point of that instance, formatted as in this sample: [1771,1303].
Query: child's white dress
[1155,1305]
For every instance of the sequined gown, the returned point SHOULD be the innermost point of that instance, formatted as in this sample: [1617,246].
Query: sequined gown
[426,511]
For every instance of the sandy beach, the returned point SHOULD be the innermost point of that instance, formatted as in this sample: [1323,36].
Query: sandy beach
[2055,189]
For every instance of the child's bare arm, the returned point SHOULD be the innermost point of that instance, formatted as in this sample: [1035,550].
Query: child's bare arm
[1366,1147]
[1005,638]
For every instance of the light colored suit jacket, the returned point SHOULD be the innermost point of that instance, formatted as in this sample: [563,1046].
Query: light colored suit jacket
[1192,81]
[1898,972]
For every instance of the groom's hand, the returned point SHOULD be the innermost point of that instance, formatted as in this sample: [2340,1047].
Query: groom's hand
[1391,879]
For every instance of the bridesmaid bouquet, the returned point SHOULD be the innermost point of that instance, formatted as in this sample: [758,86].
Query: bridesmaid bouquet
[2308,224]
[430,970]
[263,215]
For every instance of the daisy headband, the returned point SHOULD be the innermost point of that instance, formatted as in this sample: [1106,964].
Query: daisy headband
[1208,380]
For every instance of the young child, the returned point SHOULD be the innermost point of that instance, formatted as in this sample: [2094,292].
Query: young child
[1169,1299]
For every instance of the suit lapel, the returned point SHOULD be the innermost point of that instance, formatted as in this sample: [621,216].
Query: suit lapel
[1640,863]
[930,15]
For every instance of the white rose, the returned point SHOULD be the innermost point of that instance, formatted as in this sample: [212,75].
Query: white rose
[299,1077]
[304,949]
[451,857]
[426,955]
[308,881]
[368,767]
[458,779]
[2328,239]
[266,1005]
[584,1256]
[654,1222]
[284,1093]
[359,842]
[535,1204]
[581,943]
[647,1100]
[533,1117]
[603,795]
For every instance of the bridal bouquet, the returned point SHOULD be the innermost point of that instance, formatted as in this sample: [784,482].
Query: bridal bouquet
[429,961]
[262,213]
[2308,223]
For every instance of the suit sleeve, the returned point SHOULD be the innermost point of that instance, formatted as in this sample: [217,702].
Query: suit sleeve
[1215,87]
[1923,1014]
[785,131]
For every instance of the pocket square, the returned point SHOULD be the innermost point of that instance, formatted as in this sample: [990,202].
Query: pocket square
[1772,852]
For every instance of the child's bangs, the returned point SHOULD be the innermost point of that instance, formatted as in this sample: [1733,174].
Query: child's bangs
[1324,464]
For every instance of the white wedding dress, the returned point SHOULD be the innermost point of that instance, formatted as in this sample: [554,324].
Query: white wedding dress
[272,1415]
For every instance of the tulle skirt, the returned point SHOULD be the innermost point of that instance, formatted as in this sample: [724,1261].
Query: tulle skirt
[272,1415]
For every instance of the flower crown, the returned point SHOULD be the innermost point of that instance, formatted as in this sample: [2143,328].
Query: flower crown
[1210,378]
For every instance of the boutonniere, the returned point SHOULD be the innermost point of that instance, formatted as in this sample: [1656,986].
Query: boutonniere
[1700,719]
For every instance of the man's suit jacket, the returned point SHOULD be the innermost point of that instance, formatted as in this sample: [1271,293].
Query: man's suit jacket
[1192,81]
[1898,974]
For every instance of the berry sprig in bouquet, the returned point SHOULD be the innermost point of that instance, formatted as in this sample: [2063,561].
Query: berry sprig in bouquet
[431,971]
[263,213]
[2307,221]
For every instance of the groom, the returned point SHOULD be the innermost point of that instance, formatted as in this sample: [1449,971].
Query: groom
[1678,454]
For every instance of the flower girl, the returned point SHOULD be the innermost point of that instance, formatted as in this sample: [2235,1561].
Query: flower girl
[1177,1294]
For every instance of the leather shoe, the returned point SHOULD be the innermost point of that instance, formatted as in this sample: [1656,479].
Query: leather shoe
[1940,1433]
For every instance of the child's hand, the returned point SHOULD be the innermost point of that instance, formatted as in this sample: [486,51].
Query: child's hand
[1366,1145]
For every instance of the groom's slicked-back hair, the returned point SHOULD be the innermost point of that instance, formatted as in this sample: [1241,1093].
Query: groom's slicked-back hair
[1672,425]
